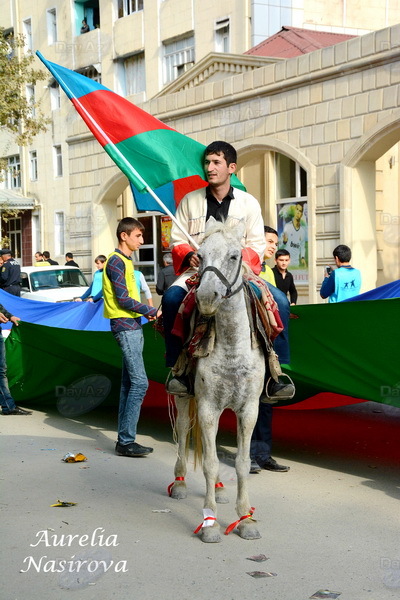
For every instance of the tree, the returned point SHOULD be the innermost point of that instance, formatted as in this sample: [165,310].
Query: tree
[19,115]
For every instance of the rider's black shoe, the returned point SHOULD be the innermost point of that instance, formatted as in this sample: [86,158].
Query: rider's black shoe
[179,385]
[277,391]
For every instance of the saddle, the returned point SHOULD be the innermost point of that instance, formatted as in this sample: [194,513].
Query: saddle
[198,333]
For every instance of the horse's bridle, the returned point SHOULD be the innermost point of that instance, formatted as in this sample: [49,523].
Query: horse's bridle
[224,280]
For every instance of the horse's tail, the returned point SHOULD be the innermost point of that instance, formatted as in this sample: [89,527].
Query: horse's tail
[196,434]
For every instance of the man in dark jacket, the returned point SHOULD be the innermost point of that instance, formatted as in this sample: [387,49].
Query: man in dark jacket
[46,255]
[166,276]
[69,257]
[10,274]
[8,406]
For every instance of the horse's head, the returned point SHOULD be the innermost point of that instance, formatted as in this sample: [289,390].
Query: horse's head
[220,268]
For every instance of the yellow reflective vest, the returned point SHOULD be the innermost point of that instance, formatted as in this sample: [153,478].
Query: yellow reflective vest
[112,309]
[267,274]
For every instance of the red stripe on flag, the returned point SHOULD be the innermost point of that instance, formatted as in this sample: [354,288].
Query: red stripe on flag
[116,116]
[186,185]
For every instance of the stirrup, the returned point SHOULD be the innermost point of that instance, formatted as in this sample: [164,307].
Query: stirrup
[290,392]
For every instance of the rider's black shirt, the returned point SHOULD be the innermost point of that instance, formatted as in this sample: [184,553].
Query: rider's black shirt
[218,210]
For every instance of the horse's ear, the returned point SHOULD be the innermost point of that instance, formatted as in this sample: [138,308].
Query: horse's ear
[210,223]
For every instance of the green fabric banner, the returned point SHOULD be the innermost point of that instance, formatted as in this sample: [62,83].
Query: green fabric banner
[76,370]
[349,348]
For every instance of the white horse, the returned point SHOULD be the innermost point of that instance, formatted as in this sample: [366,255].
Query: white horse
[231,376]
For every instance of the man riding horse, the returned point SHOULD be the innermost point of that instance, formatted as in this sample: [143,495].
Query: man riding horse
[221,201]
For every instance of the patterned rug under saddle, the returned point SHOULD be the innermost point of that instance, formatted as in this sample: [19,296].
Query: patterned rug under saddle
[198,332]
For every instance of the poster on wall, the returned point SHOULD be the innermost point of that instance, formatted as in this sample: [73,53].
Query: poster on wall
[166,224]
[292,227]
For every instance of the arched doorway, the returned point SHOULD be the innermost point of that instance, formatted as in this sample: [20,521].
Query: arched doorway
[281,178]
[370,203]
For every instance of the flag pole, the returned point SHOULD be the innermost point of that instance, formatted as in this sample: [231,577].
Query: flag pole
[128,169]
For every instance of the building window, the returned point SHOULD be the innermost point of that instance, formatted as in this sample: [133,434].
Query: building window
[51,26]
[33,165]
[59,234]
[58,165]
[27,32]
[126,7]
[222,36]
[292,214]
[178,57]
[291,178]
[145,258]
[12,175]
[55,96]
[88,11]
[14,234]
[135,74]
[91,72]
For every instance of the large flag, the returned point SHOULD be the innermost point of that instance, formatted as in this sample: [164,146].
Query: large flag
[151,154]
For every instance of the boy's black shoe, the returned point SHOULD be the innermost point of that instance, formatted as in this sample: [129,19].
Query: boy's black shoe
[132,449]
[17,411]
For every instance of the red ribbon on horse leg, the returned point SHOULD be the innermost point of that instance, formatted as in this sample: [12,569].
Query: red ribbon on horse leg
[232,526]
[169,488]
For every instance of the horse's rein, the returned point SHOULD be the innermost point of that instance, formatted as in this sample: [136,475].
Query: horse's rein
[224,280]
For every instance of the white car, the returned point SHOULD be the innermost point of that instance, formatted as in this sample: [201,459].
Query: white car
[53,283]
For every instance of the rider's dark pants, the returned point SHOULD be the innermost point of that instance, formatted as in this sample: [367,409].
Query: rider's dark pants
[261,440]
[171,302]
[281,343]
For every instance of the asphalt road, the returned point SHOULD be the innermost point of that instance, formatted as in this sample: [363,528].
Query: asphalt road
[331,523]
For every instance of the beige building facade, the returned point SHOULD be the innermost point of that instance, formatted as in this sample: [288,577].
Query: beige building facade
[320,130]
[333,115]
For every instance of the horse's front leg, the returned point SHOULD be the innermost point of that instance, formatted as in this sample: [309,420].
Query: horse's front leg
[178,489]
[246,420]
[208,420]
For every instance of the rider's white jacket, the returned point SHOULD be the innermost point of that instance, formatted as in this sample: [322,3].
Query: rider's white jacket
[191,214]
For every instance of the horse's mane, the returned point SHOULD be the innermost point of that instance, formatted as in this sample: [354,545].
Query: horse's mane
[225,227]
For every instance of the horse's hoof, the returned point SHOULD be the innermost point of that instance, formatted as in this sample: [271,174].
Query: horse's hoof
[211,535]
[248,530]
[178,492]
[221,497]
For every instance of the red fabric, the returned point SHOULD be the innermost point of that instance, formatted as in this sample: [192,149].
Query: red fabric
[117,126]
[186,185]
[251,258]
[182,319]
[179,254]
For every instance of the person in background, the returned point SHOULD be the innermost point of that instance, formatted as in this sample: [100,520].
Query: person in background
[95,290]
[261,439]
[123,307]
[143,287]
[10,274]
[69,257]
[166,275]
[283,278]
[85,27]
[343,282]
[8,406]
[40,260]
[46,256]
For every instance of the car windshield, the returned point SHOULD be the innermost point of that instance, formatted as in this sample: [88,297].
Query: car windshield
[52,279]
